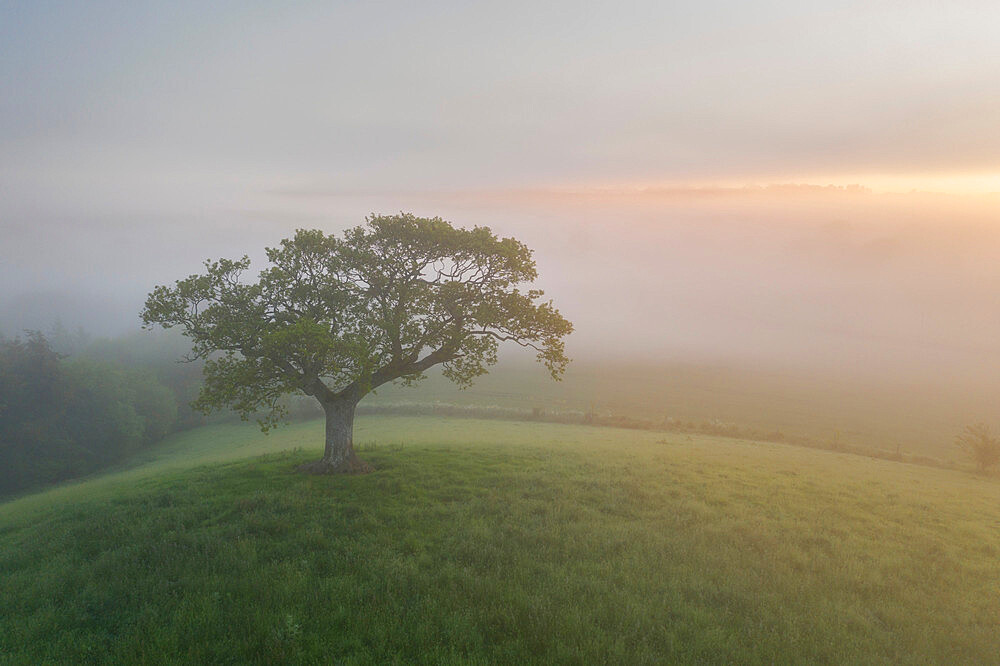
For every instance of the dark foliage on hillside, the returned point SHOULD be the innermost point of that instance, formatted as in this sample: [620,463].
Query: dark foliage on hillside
[63,417]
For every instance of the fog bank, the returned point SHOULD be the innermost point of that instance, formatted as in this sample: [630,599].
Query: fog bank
[835,278]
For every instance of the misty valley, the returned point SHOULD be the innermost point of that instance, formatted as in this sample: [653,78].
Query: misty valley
[707,511]
[499,333]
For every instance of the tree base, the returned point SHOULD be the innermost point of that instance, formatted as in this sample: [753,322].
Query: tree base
[352,465]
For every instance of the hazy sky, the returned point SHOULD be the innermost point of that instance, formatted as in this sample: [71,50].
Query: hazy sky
[113,101]
[137,139]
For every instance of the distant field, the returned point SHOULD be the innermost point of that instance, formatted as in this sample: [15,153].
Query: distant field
[485,541]
[914,417]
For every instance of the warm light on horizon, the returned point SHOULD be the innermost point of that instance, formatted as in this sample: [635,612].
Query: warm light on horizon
[953,183]
[960,182]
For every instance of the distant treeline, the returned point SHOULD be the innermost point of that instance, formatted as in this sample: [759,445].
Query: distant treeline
[64,416]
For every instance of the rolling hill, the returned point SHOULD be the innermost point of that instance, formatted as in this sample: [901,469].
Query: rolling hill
[486,541]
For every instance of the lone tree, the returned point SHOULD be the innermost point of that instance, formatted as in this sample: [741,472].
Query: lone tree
[335,318]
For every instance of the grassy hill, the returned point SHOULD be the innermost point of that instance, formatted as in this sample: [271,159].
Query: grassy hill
[487,541]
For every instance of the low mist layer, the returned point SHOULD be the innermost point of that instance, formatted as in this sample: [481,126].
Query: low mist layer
[833,278]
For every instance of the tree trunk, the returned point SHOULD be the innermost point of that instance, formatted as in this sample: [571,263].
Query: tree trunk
[339,456]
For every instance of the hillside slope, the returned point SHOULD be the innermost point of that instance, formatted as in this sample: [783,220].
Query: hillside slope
[495,541]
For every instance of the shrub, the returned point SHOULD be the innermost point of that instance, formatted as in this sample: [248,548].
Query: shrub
[981,445]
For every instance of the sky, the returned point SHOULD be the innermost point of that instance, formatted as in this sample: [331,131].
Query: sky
[154,96]
[639,147]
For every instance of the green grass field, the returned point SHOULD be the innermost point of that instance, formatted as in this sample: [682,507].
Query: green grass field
[488,541]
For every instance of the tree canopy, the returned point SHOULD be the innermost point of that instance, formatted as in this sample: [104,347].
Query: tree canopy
[336,317]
